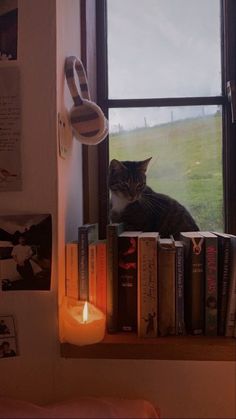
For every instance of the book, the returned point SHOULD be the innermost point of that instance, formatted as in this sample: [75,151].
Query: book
[127,280]
[194,281]
[92,272]
[147,284]
[72,271]
[166,287]
[87,234]
[211,283]
[113,230]
[179,288]
[231,303]
[101,275]
[223,279]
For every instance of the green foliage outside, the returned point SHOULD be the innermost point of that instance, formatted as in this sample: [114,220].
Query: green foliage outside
[186,163]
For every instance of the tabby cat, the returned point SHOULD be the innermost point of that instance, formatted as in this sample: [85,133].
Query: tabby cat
[139,207]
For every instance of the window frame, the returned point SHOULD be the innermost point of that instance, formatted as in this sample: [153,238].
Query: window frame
[100,200]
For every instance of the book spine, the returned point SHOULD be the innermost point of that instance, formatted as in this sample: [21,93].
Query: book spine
[224,268]
[179,281]
[147,287]
[83,264]
[87,234]
[72,277]
[101,286]
[127,284]
[211,280]
[231,307]
[194,286]
[92,272]
[166,286]
[112,277]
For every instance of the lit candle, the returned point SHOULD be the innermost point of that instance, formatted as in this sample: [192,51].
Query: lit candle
[85,312]
[82,323]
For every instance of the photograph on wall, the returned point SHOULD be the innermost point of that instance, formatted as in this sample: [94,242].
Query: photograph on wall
[8,29]
[8,337]
[25,252]
[8,347]
[7,326]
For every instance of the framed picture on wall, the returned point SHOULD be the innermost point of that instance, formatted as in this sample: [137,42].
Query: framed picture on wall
[8,29]
[25,252]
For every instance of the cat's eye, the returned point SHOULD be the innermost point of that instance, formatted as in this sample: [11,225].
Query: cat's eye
[124,186]
[114,187]
[139,186]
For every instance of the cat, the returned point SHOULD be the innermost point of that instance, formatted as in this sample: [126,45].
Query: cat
[135,204]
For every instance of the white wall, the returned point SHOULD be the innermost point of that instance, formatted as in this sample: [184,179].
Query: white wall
[181,389]
[69,169]
[35,311]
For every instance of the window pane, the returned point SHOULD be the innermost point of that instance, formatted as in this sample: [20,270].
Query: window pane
[185,146]
[164,48]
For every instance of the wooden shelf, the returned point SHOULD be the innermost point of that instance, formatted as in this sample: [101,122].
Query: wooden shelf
[129,346]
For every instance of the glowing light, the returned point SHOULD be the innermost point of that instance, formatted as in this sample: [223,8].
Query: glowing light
[85,312]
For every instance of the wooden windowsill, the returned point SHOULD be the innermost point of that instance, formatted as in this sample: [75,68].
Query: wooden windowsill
[129,346]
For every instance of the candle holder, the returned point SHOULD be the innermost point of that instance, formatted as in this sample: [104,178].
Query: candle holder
[81,322]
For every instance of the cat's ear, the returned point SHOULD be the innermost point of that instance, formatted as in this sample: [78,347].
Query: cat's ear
[116,166]
[143,165]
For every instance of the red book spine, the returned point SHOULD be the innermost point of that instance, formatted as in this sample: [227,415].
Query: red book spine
[211,280]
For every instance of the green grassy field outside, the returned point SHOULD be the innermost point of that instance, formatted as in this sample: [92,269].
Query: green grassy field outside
[186,163]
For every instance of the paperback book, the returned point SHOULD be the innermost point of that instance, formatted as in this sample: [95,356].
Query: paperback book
[147,285]
[195,282]
[87,234]
[231,303]
[127,280]
[166,287]
[113,231]
[179,285]
[211,283]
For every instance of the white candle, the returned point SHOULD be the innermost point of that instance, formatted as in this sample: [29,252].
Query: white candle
[82,323]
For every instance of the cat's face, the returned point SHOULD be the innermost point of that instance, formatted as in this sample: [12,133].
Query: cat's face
[127,179]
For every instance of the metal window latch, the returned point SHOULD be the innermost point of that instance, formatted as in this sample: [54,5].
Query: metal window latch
[231,93]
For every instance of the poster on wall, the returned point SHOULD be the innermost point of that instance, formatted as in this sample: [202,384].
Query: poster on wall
[25,252]
[10,135]
[8,338]
[8,29]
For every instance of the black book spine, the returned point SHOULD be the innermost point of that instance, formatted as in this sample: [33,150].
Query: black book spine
[180,325]
[194,285]
[127,284]
[112,276]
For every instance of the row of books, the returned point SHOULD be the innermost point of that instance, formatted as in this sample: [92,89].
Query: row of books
[156,286]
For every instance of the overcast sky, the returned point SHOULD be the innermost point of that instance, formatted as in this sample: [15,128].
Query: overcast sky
[162,48]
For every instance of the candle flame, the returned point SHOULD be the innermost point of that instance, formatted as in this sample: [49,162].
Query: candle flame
[85,312]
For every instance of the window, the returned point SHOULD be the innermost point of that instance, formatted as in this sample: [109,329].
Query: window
[162,74]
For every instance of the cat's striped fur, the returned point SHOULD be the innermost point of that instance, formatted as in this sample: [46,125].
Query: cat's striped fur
[139,207]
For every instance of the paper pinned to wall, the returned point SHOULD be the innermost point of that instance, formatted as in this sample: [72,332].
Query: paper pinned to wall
[10,130]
